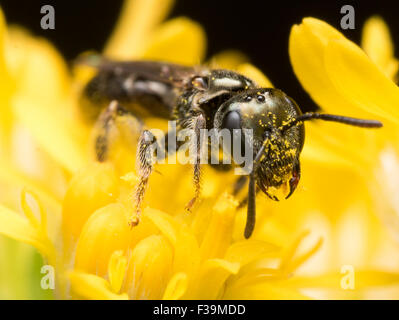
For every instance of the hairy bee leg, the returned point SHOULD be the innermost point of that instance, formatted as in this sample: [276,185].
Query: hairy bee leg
[105,123]
[199,123]
[251,213]
[145,160]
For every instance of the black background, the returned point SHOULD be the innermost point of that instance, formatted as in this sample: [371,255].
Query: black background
[259,28]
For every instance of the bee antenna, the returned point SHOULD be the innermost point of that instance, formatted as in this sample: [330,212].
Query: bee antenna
[334,118]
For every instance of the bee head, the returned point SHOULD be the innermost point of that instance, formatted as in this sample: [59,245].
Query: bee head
[262,113]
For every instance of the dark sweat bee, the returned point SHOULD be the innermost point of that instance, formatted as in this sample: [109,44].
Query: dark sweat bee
[200,98]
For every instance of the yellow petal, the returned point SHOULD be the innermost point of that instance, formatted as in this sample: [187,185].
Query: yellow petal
[360,81]
[30,211]
[145,228]
[149,268]
[307,45]
[324,144]
[176,288]
[228,59]
[363,279]
[8,87]
[42,100]
[219,232]
[53,132]
[212,277]
[37,65]
[116,270]
[290,261]
[306,49]
[255,273]
[90,286]
[11,181]
[247,251]
[15,226]
[12,177]
[377,43]
[295,264]
[91,188]
[265,291]
[137,21]
[267,229]
[164,222]
[180,40]
[316,149]
[255,74]
[106,231]
[292,249]
[186,253]
[3,31]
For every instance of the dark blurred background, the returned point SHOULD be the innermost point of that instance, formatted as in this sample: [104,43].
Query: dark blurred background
[260,28]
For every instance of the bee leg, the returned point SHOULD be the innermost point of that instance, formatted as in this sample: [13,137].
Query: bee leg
[199,123]
[106,122]
[244,202]
[251,213]
[251,209]
[145,160]
[239,184]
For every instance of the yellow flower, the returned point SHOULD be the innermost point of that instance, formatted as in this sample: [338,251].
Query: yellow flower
[75,211]
[377,43]
[344,79]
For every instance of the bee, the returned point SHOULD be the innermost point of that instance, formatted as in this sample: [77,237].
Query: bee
[203,98]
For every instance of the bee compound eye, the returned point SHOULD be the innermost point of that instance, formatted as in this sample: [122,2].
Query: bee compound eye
[232,120]
[200,82]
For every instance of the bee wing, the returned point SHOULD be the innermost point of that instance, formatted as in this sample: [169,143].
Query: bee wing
[174,74]
[169,73]
[153,85]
